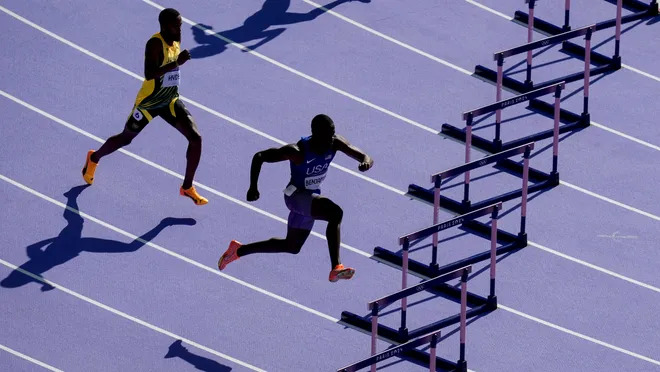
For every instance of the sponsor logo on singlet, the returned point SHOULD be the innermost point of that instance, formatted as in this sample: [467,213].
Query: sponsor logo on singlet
[315,175]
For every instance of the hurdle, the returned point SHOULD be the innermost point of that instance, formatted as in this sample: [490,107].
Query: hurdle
[496,145]
[436,281]
[509,241]
[641,10]
[528,85]
[408,343]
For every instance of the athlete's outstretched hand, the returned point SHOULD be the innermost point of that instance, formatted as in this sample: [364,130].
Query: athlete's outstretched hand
[366,164]
[252,194]
[183,57]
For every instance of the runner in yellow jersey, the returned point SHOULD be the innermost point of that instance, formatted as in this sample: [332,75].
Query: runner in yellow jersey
[159,96]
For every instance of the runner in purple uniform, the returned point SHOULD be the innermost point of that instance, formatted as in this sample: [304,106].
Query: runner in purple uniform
[309,159]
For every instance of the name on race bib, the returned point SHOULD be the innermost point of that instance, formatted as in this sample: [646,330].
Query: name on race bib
[313,183]
[171,78]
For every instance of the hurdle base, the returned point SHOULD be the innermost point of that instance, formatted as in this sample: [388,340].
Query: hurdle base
[389,334]
[448,321]
[424,271]
[616,62]
[546,181]
[654,8]
[520,87]
[461,366]
[579,51]
[491,303]
[540,25]
[419,357]
[421,270]
[534,175]
[637,5]
[548,109]
[489,75]
[426,196]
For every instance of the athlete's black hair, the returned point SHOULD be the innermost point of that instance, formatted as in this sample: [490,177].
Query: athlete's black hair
[167,15]
[321,122]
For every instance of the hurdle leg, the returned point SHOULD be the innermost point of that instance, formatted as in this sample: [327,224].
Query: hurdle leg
[567,15]
[492,299]
[403,330]
[522,235]
[466,182]
[616,59]
[434,343]
[555,137]
[587,76]
[497,142]
[462,363]
[374,333]
[436,207]
[530,29]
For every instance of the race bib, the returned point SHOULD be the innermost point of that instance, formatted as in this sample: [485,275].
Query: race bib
[313,183]
[171,78]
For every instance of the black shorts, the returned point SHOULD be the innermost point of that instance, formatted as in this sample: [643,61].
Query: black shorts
[171,113]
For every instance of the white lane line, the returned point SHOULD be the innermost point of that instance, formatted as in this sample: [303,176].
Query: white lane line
[626,136]
[633,69]
[390,39]
[125,315]
[611,201]
[579,335]
[592,266]
[29,359]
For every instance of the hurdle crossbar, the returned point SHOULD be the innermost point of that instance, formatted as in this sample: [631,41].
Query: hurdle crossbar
[528,85]
[501,81]
[403,336]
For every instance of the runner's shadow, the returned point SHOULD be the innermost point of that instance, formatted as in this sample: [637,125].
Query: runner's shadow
[51,252]
[177,350]
[255,28]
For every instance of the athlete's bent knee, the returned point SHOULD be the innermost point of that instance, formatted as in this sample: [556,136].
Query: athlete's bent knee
[293,247]
[194,138]
[335,214]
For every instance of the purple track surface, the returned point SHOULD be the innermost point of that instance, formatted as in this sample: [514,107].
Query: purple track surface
[122,275]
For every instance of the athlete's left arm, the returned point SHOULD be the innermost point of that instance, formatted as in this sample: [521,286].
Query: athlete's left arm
[342,144]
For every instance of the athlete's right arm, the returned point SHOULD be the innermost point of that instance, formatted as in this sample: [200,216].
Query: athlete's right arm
[153,57]
[272,155]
